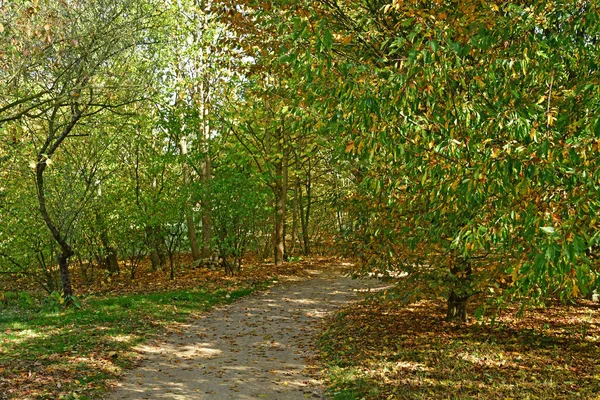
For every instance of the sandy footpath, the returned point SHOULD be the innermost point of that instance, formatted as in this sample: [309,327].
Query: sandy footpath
[254,348]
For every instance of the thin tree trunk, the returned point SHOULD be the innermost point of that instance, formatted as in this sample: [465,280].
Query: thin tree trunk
[281,184]
[172,266]
[337,209]
[295,215]
[206,209]
[203,102]
[278,239]
[305,212]
[47,150]
[189,214]
[111,259]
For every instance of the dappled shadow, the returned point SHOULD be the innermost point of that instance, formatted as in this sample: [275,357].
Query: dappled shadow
[378,350]
[49,355]
[254,348]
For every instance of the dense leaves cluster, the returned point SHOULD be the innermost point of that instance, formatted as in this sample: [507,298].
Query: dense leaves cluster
[473,130]
[452,141]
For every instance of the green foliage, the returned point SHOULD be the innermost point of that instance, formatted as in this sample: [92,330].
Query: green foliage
[470,129]
[239,210]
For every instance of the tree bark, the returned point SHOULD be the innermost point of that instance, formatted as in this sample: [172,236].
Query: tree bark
[66,250]
[111,259]
[206,209]
[305,212]
[63,265]
[295,215]
[112,262]
[47,150]
[157,256]
[461,291]
[189,213]
[203,102]
[155,260]
[457,308]
[281,186]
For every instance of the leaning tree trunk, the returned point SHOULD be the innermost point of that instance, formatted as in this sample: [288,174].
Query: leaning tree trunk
[65,248]
[53,141]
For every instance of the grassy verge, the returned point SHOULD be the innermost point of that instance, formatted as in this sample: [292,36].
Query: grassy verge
[71,354]
[375,350]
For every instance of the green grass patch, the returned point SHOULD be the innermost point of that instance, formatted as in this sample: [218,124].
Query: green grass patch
[72,353]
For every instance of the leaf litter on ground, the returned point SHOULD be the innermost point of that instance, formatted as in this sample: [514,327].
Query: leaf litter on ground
[383,350]
[73,353]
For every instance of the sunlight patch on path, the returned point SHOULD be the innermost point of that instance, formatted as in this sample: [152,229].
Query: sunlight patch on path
[252,349]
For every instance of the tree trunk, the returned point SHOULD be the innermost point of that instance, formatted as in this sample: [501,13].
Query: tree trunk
[295,215]
[279,228]
[47,150]
[66,250]
[155,260]
[189,214]
[337,209]
[112,262]
[63,265]
[111,259]
[157,257]
[281,186]
[305,212]
[172,266]
[457,308]
[206,209]
[461,291]
[203,101]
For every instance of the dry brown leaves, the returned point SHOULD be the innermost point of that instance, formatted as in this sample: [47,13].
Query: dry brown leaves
[148,281]
[380,350]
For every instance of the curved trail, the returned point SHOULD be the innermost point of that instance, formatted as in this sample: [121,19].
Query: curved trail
[254,348]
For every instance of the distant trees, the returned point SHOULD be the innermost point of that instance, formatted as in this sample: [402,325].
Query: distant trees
[121,123]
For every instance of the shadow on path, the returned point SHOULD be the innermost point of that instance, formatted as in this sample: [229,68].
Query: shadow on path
[252,349]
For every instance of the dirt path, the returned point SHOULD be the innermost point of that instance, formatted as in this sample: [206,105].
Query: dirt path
[252,349]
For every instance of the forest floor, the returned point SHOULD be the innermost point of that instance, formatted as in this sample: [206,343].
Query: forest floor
[48,352]
[209,335]
[382,350]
